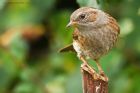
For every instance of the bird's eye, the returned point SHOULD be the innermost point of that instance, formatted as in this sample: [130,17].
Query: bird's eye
[82,16]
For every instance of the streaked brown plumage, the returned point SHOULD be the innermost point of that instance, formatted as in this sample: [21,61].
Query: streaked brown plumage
[95,33]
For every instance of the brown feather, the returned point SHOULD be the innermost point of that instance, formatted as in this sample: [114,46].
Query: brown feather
[113,23]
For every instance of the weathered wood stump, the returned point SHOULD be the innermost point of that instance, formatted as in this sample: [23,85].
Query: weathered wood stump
[92,81]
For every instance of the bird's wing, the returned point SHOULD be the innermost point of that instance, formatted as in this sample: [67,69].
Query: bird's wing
[68,48]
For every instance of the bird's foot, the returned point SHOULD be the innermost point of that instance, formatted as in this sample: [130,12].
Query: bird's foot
[88,68]
[101,73]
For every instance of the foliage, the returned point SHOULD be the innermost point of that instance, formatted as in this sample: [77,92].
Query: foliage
[31,32]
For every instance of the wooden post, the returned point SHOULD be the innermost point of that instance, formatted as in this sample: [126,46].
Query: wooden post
[93,82]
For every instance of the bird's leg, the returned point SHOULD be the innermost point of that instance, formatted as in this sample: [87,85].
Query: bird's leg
[85,63]
[101,72]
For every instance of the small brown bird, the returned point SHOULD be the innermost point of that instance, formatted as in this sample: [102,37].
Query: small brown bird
[95,34]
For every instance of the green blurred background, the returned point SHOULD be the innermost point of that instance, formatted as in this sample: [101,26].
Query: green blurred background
[32,31]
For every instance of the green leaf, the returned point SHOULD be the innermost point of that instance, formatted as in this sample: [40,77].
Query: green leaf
[18,47]
[89,3]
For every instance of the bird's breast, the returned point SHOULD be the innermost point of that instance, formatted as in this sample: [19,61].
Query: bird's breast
[96,42]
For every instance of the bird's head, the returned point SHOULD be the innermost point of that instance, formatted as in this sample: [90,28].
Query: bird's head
[87,17]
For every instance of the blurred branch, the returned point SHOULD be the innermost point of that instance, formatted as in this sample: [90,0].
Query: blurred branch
[93,82]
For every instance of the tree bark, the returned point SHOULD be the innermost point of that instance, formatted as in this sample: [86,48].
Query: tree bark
[92,81]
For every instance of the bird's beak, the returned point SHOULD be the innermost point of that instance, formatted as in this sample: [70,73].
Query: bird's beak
[71,23]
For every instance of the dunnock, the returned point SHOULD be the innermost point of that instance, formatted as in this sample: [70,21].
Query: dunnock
[95,34]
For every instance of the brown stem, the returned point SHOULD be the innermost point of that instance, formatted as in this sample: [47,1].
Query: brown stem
[93,82]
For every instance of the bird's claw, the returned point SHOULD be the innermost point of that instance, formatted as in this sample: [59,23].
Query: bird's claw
[86,67]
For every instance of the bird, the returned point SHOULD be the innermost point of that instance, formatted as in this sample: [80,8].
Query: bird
[95,33]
